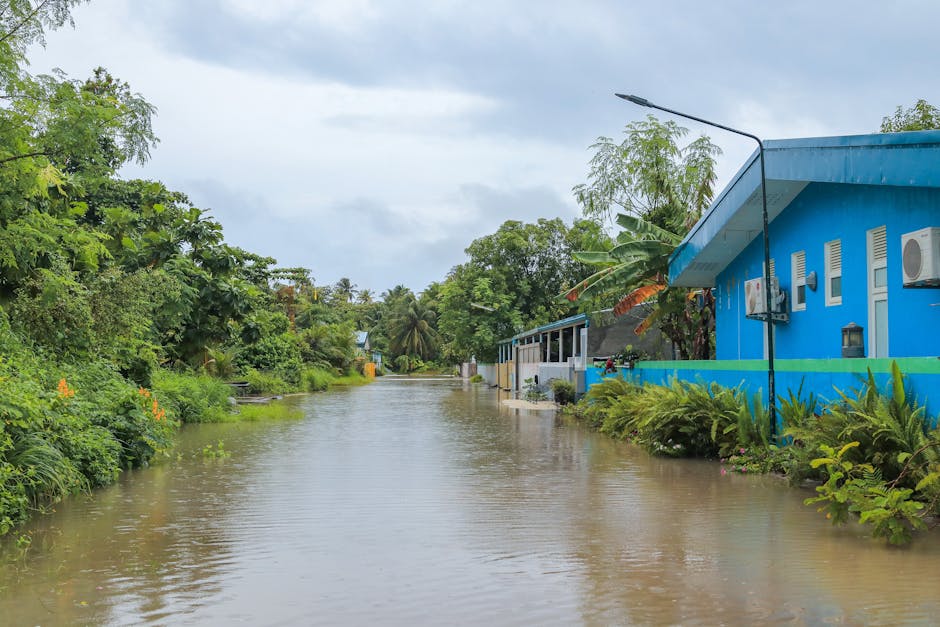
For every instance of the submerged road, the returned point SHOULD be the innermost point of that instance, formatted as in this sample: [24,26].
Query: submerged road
[425,502]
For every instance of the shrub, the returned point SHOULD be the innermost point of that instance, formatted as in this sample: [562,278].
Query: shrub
[316,380]
[596,405]
[888,427]
[138,423]
[563,391]
[192,398]
[265,383]
[477,378]
[533,391]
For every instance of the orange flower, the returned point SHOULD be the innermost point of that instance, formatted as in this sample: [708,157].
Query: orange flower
[64,390]
[158,412]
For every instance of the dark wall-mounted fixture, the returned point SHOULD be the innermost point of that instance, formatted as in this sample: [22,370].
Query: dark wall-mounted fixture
[853,344]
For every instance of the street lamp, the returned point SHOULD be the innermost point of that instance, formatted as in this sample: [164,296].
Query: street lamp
[771,395]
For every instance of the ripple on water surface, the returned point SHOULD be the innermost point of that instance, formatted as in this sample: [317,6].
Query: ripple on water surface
[416,502]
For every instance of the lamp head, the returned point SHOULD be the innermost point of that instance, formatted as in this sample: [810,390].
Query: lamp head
[643,102]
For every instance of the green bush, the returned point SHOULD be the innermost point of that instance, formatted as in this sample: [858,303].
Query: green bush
[477,378]
[266,383]
[270,352]
[889,428]
[563,391]
[316,380]
[192,398]
[596,406]
[678,420]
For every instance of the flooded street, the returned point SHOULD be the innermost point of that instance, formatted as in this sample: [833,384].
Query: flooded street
[423,502]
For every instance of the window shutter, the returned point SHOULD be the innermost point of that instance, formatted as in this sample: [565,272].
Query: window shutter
[835,256]
[879,244]
[798,280]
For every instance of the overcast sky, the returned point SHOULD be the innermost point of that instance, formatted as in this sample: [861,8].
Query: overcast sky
[376,139]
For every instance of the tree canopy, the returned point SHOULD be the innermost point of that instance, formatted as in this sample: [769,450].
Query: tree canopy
[510,282]
[922,116]
[663,189]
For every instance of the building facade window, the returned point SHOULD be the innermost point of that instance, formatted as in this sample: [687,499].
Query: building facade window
[833,260]
[877,292]
[798,280]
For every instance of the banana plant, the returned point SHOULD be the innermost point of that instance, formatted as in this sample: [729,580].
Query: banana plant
[639,265]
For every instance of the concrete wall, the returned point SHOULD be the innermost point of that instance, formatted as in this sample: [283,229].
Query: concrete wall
[823,377]
[488,372]
[821,213]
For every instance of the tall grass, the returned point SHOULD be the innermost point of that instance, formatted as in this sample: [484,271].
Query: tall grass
[192,398]
[316,379]
[247,412]
[48,474]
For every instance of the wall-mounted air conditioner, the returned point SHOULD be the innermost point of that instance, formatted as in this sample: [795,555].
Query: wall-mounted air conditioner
[920,257]
[755,300]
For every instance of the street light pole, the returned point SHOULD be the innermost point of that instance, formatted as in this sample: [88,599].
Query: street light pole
[771,393]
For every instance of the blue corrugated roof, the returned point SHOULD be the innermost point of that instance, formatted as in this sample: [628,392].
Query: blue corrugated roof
[551,326]
[734,219]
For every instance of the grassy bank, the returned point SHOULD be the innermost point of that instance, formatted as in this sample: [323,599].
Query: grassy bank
[874,454]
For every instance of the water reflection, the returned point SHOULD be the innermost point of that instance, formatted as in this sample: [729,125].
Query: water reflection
[427,502]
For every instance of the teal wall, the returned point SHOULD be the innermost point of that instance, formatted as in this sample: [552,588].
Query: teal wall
[820,376]
[823,212]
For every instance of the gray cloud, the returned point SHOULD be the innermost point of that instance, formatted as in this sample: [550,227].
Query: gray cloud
[556,64]
[527,205]
[376,141]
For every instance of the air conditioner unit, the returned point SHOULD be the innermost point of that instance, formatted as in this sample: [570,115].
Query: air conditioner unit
[920,257]
[755,300]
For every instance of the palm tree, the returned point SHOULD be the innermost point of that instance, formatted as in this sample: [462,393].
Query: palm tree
[395,294]
[639,265]
[663,188]
[412,329]
[344,290]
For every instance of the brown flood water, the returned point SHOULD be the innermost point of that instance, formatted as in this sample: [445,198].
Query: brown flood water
[424,502]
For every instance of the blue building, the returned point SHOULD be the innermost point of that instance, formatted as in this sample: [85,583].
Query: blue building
[854,238]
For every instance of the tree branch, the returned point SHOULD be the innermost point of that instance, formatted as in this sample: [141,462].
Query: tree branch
[24,21]
[26,156]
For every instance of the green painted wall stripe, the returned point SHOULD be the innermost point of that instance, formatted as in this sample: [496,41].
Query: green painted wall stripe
[908,365]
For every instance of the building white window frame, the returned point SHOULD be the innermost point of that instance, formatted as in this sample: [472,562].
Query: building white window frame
[833,263]
[798,280]
[876,245]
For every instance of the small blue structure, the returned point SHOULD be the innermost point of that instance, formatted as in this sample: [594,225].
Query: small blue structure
[854,238]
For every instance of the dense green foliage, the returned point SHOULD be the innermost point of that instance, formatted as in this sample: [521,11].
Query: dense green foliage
[510,282]
[923,116]
[874,453]
[663,190]
[66,426]
[563,392]
[122,309]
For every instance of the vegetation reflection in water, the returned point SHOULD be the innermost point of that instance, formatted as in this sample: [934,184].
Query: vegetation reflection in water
[407,502]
